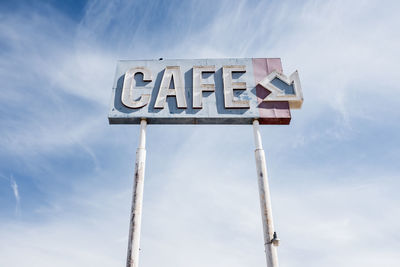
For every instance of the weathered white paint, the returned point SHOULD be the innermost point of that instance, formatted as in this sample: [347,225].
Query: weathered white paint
[129,84]
[265,199]
[295,100]
[240,92]
[199,87]
[137,199]
[171,73]
[229,86]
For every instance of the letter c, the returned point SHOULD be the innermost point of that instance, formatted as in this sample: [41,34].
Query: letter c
[130,83]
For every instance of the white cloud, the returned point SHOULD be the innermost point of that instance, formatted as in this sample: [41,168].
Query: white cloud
[198,208]
[15,191]
[201,197]
[14,187]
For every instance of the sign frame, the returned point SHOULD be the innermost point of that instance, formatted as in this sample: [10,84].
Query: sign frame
[203,91]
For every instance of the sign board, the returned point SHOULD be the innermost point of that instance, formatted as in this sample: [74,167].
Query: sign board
[204,91]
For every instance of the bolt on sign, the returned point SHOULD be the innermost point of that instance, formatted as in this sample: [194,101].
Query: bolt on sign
[204,91]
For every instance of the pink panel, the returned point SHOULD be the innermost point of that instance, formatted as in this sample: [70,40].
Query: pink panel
[274,64]
[276,112]
[260,68]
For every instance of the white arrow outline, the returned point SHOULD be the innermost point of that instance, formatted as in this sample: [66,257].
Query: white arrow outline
[295,100]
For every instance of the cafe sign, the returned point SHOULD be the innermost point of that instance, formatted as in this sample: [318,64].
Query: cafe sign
[204,91]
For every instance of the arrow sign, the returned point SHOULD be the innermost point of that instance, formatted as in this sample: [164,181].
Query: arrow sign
[283,88]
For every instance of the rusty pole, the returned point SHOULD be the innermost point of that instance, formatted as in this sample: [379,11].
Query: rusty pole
[137,199]
[270,238]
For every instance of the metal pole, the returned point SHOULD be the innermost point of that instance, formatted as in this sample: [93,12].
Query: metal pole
[137,199]
[270,238]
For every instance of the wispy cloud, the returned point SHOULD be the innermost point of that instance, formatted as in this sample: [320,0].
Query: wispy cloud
[14,187]
[332,171]
[15,191]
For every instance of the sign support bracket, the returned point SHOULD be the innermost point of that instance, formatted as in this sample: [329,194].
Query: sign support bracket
[137,200]
[270,238]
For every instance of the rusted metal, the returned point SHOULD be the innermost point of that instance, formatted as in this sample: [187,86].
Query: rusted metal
[270,237]
[137,200]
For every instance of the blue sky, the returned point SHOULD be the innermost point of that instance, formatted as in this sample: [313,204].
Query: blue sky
[66,175]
